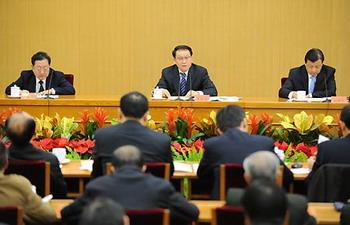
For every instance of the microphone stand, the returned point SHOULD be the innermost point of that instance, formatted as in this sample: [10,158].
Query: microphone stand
[48,94]
[178,90]
[191,96]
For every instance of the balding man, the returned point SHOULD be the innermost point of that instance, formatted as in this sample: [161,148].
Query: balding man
[133,189]
[20,130]
[264,165]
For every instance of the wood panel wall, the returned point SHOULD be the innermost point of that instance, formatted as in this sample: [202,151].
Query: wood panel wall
[115,46]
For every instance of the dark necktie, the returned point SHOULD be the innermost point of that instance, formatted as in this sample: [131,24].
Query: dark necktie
[41,88]
[183,84]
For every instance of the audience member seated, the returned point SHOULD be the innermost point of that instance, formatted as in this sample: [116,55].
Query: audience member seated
[232,146]
[185,78]
[315,78]
[345,215]
[20,130]
[42,78]
[16,190]
[265,203]
[265,165]
[133,189]
[103,211]
[335,151]
[154,146]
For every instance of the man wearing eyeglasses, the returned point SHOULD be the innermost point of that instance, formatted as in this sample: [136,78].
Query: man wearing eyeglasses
[185,78]
[42,79]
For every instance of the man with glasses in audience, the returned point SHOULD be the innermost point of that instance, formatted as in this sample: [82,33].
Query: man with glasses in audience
[185,78]
[42,78]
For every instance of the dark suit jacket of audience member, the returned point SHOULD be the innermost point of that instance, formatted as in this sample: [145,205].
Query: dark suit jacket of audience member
[298,80]
[345,215]
[333,151]
[27,81]
[232,147]
[297,206]
[199,78]
[134,189]
[155,147]
[29,152]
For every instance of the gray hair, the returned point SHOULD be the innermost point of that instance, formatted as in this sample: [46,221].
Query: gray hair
[262,164]
[127,155]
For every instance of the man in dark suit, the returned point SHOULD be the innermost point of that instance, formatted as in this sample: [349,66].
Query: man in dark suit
[185,78]
[265,203]
[20,130]
[313,77]
[335,151]
[42,79]
[264,165]
[133,189]
[154,146]
[232,146]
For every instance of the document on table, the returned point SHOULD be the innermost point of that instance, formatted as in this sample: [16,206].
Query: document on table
[185,167]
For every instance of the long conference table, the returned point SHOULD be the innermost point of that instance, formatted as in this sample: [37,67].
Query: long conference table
[73,106]
[324,213]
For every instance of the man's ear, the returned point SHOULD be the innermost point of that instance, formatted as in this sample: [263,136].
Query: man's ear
[126,220]
[121,116]
[143,169]
[220,132]
[247,178]
[244,126]
[144,118]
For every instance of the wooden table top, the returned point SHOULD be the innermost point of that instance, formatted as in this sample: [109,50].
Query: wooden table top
[324,213]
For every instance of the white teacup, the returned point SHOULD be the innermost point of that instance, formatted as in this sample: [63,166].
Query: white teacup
[301,94]
[157,93]
[60,153]
[86,164]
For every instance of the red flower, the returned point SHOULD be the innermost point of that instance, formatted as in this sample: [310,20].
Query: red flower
[176,146]
[308,150]
[283,146]
[267,118]
[7,113]
[198,144]
[61,143]
[100,116]
[170,117]
[82,146]
[84,119]
[46,144]
[254,124]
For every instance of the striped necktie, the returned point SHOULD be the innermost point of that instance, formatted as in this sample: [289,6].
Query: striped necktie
[183,84]
[312,82]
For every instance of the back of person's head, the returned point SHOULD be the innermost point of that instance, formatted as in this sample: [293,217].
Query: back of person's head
[264,201]
[230,116]
[345,116]
[102,211]
[20,128]
[313,55]
[40,56]
[181,47]
[134,105]
[261,165]
[3,156]
[127,155]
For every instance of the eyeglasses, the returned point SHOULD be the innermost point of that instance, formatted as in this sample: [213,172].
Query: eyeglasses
[183,58]
[40,68]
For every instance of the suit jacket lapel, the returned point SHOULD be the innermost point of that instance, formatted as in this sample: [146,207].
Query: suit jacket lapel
[319,85]
[305,77]
[188,84]
[32,83]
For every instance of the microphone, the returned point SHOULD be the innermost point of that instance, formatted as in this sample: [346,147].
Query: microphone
[49,87]
[178,90]
[325,86]
[191,96]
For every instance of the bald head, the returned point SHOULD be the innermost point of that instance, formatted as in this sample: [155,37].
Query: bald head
[261,165]
[127,155]
[20,128]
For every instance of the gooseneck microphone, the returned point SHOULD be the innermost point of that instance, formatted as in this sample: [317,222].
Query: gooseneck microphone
[49,87]
[325,86]
[179,89]
[191,96]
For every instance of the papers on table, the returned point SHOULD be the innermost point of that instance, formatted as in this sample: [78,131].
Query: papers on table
[309,99]
[182,98]
[300,170]
[185,167]
[225,98]
[86,164]
[47,96]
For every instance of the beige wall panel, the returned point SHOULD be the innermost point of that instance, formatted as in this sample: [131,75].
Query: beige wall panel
[115,46]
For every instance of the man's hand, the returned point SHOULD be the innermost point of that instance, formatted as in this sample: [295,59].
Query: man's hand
[165,93]
[47,92]
[193,93]
[292,95]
